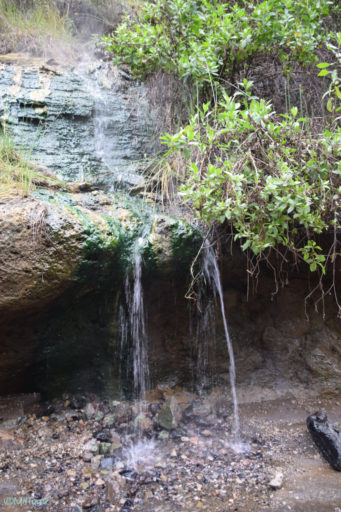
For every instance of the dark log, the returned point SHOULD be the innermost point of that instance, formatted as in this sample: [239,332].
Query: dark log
[326,437]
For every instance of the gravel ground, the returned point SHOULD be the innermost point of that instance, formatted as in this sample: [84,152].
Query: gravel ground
[176,452]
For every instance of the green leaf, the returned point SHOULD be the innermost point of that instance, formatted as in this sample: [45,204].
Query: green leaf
[330,105]
[246,245]
[323,65]
[338,92]
[324,72]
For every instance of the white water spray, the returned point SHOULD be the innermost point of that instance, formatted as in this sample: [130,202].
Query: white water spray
[141,455]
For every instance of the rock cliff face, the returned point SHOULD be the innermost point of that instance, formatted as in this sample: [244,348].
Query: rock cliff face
[81,119]
[65,255]
[276,345]
[281,339]
[64,259]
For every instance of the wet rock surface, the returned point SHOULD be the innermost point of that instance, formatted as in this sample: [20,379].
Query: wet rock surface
[57,245]
[326,437]
[79,118]
[58,461]
[41,247]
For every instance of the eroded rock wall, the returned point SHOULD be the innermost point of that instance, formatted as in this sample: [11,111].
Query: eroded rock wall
[65,254]
[81,118]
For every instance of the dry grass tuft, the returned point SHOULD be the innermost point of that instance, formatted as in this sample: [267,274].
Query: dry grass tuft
[16,173]
[33,26]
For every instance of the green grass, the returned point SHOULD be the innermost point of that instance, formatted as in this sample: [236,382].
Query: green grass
[32,25]
[16,172]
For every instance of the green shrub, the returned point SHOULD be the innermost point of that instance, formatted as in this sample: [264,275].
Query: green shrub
[274,179]
[331,69]
[205,40]
[276,182]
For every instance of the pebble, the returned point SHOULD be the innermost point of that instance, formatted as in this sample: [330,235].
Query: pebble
[90,502]
[277,481]
[89,411]
[107,463]
[91,446]
[87,457]
[115,441]
[103,436]
[164,435]
[96,461]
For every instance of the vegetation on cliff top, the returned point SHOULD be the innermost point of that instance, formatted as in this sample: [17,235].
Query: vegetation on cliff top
[207,40]
[273,180]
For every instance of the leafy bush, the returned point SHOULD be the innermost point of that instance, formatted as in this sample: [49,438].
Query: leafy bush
[277,183]
[205,40]
[331,69]
[274,179]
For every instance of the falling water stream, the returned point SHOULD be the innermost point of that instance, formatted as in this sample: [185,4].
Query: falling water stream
[212,274]
[133,330]
[132,316]
[138,333]
[133,327]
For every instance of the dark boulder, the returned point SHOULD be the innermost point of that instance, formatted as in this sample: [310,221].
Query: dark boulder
[326,437]
[102,436]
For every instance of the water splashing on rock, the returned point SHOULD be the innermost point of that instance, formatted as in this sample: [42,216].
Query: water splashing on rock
[141,455]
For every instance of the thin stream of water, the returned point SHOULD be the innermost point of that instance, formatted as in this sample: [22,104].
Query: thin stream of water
[141,453]
[138,333]
[212,274]
[133,329]
[116,151]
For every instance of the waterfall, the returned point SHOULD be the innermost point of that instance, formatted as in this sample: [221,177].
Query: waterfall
[212,275]
[141,453]
[138,333]
[133,329]
[119,128]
